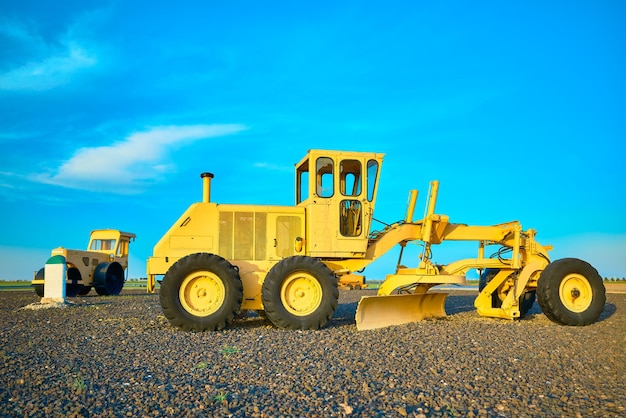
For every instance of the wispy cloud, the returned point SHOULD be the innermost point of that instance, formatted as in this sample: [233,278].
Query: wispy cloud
[272,167]
[46,64]
[128,164]
[48,73]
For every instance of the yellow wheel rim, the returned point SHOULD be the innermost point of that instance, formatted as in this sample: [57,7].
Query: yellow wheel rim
[202,293]
[575,292]
[301,294]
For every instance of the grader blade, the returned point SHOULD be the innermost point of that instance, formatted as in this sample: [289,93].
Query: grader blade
[383,311]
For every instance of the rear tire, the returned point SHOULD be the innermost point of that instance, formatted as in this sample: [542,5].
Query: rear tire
[39,287]
[570,292]
[201,292]
[526,299]
[300,293]
[84,290]
[72,289]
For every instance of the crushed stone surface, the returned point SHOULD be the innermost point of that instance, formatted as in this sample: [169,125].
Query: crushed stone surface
[119,356]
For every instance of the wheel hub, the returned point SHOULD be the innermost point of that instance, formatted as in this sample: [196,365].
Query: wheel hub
[301,294]
[202,293]
[575,292]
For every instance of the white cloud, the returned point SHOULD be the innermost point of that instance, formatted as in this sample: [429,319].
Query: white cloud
[49,65]
[136,160]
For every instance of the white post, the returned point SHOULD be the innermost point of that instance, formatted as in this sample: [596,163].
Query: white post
[54,280]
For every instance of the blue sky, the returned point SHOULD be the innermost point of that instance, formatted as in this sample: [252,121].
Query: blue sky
[109,110]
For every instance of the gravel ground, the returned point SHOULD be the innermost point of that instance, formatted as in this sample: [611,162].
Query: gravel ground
[118,356]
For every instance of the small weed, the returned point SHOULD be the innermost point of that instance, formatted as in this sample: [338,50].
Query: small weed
[221,397]
[202,365]
[228,351]
[78,383]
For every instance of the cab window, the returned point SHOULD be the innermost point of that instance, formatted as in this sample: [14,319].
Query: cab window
[122,248]
[372,173]
[350,218]
[102,245]
[302,182]
[324,168]
[350,177]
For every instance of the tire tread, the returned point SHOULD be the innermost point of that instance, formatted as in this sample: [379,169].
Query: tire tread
[274,308]
[170,286]
[548,292]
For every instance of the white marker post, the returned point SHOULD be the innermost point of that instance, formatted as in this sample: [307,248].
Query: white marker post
[54,280]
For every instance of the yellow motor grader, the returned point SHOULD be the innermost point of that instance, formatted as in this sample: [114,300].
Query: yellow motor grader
[101,266]
[219,259]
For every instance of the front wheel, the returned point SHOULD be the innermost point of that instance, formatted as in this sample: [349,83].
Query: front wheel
[300,293]
[108,279]
[570,291]
[201,292]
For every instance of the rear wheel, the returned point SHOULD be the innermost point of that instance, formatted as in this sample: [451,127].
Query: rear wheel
[201,292]
[300,293]
[571,292]
[526,299]
[84,290]
[72,288]
[39,287]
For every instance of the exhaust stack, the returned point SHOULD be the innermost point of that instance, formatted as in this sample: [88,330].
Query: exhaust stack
[206,187]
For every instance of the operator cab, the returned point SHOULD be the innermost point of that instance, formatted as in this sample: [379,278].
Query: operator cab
[110,241]
[338,191]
